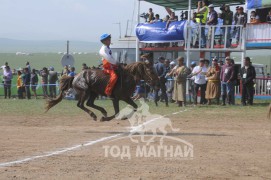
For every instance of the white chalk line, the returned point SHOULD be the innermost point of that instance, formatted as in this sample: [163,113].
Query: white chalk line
[86,144]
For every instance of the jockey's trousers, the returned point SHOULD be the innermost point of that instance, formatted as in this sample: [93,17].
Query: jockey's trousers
[110,69]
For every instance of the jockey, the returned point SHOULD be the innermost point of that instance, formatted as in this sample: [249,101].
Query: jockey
[109,63]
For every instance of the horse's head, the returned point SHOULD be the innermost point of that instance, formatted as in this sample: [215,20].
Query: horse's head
[148,74]
[143,71]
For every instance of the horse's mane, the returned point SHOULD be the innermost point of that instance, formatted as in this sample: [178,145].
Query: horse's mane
[138,69]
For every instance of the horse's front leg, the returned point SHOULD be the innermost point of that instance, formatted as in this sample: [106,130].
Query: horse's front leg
[116,108]
[131,102]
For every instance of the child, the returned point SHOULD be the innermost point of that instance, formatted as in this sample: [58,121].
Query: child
[20,85]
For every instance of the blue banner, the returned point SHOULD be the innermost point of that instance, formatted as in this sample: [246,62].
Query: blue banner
[158,33]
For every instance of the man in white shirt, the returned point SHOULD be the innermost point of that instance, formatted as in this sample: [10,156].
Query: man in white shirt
[199,77]
[109,63]
[4,67]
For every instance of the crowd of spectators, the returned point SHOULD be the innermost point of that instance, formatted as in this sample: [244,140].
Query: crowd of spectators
[206,16]
[215,82]
[28,80]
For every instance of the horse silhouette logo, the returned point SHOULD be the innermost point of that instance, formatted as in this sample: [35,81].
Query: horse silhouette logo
[146,124]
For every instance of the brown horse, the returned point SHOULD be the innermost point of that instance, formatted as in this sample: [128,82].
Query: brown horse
[90,83]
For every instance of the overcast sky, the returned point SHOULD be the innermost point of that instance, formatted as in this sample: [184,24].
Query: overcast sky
[67,19]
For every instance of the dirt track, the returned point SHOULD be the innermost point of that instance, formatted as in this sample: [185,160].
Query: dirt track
[225,146]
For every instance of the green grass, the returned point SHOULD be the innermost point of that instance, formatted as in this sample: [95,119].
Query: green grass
[35,107]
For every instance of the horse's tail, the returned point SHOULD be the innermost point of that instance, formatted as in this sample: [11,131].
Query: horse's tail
[65,84]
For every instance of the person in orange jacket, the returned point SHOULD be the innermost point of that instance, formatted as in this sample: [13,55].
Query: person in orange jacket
[109,63]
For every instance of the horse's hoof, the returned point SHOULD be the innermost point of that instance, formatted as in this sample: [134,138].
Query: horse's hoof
[93,116]
[103,119]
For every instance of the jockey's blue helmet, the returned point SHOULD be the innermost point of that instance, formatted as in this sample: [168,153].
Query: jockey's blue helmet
[105,36]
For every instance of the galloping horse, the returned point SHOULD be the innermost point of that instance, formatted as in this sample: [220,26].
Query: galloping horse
[90,83]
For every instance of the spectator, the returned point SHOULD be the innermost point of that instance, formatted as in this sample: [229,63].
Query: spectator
[219,19]
[22,76]
[34,82]
[235,79]
[212,21]
[84,66]
[7,77]
[191,81]
[151,15]
[234,17]
[213,85]
[4,67]
[172,17]
[166,18]
[221,63]
[198,74]
[180,73]
[172,64]
[65,71]
[27,64]
[227,78]
[254,18]
[20,85]
[26,82]
[227,16]
[170,80]
[219,28]
[240,19]
[201,19]
[248,74]
[268,17]
[52,82]
[167,64]
[72,73]
[44,81]
[206,63]
[157,19]
[160,69]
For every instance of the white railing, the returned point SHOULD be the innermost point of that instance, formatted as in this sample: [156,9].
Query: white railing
[258,33]
[217,37]
[262,87]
